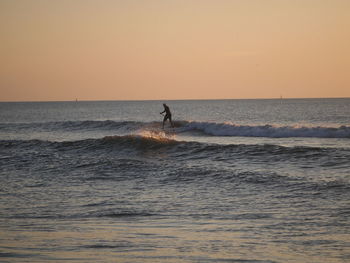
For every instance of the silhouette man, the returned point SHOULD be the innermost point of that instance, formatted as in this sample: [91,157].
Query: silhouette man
[167,115]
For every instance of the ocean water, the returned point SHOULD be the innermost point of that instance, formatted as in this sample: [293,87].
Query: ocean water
[233,181]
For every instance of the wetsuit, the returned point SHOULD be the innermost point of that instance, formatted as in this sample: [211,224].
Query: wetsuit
[167,115]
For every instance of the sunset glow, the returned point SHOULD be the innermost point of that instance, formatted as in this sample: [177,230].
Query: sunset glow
[149,50]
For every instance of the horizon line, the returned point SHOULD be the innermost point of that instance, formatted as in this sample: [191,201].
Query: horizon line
[77,100]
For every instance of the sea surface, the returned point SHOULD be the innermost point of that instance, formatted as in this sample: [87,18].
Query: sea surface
[233,181]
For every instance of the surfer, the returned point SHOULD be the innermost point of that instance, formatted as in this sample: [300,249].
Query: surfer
[167,115]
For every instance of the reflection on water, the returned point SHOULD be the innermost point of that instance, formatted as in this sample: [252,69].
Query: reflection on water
[196,240]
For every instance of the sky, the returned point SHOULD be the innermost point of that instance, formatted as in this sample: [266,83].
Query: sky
[173,49]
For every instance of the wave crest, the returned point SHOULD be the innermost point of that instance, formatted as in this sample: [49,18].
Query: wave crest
[183,126]
[273,131]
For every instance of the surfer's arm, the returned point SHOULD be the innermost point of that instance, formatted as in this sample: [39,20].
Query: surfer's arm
[162,112]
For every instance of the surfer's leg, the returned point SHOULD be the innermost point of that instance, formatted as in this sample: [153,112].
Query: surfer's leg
[165,118]
[171,122]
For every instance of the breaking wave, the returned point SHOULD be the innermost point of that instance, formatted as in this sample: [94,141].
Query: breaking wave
[230,129]
[207,128]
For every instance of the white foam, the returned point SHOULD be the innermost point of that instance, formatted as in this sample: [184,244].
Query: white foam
[273,131]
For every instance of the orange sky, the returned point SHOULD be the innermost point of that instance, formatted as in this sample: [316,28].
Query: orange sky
[179,49]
